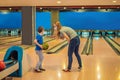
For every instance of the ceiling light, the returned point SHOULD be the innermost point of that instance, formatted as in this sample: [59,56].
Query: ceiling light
[64,8]
[10,8]
[99,7]
[40,7]
[114,1]
[82,7]
[58,2]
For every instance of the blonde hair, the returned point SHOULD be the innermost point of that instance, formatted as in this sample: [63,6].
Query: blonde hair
[58,24]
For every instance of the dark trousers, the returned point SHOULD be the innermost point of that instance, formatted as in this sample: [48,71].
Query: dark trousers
[74,48]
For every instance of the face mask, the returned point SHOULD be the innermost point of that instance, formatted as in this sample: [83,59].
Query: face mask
[55,28]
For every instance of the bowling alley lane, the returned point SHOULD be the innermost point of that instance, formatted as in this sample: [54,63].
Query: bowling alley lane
[117,40]
[6,37]
[7,45]
[102,48]
[82,44]
[100,68]
[10,40]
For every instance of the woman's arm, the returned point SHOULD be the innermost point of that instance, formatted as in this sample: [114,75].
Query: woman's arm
[35,41]
[66,36]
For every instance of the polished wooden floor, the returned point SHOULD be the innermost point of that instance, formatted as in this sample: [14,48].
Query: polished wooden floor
[104,64]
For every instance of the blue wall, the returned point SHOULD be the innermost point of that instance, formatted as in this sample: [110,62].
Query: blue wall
[10,20]
[76,20]
[43,19]
[14,20]
[91,20]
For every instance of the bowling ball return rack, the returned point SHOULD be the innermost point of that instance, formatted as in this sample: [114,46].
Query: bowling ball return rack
[17,63]
[10,68]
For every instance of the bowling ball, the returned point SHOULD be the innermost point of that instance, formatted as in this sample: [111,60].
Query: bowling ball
[2,65]
[45,46]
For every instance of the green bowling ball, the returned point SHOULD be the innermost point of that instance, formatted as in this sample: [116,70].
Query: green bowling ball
[45,46]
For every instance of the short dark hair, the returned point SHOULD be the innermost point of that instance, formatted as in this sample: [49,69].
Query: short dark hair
[40,29]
